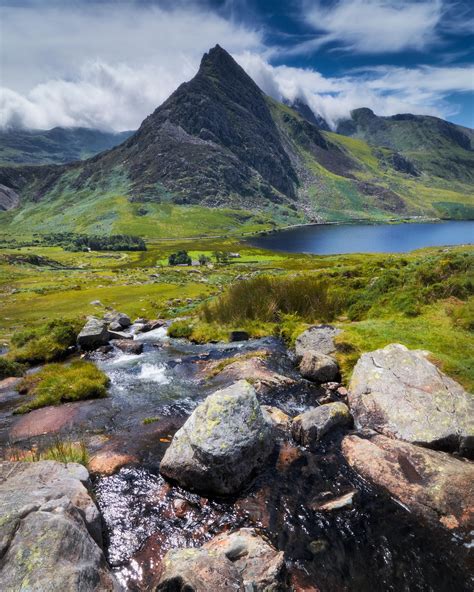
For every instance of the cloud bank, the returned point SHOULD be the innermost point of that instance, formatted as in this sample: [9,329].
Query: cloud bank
[108,67]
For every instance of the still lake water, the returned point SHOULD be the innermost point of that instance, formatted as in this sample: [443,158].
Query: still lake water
[367,238]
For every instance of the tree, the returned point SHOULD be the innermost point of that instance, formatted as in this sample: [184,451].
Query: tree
[179,258]
[204,259]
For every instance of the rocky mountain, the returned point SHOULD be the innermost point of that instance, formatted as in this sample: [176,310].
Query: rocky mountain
[55,146]
[434,146]
[219,142]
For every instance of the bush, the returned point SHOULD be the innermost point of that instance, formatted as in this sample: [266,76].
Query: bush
[179,258]
[48,343]
[56,383]
[9,368]
[83,242]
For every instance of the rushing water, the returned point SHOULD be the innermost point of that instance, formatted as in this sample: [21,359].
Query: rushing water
[367,238]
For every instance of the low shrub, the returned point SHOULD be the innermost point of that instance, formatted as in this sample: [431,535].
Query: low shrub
[9,368]
[57,383]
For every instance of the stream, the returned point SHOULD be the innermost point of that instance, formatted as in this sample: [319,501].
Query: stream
[374,545]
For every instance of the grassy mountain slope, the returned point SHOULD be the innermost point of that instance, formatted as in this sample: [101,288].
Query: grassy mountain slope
[55,146]
[436,147]
[220,157]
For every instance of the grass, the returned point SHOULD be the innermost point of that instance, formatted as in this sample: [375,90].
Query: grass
[57,383]
[61,451]
[9,368]
[47,343]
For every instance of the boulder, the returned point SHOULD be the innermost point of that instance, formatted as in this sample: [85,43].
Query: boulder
[309,427]
[224,440]
[151,325]
[119,320]
[239,561]
[93,334]
[119,335]
[276,418]
[319,338]
[399,393]
[432,484]
[238,336]
[318,367]
[129,346]
[50,530]
[198,570]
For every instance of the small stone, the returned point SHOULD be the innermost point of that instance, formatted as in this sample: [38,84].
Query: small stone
[129,346]
[344,501]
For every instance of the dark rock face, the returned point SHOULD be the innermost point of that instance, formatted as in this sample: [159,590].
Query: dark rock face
[307,113]
[399,393]
[50,532]
[209,454]
[9,199]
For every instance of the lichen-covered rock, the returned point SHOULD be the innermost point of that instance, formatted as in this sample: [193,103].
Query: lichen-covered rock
[222,442]
[50,530]
[276,418]
[319,338]
[198,570]
[309,427]
[318,367]
[93,334]
[432,484]
[235,562]
[399,393]
[260,565]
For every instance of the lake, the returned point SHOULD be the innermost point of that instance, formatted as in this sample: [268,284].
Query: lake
[367,238]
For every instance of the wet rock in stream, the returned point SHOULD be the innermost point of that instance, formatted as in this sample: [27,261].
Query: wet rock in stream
[325,550]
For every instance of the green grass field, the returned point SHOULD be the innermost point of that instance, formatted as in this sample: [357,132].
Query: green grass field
[422,299]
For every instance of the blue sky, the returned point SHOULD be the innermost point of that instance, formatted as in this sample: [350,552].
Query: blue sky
[108,64]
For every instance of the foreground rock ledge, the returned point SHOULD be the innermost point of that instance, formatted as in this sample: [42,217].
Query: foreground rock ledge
[236,562]
[50,530]
[222,442]
[432,484]
[399,393]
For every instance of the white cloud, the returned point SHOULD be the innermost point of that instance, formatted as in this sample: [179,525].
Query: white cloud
[109,67]
[372,26]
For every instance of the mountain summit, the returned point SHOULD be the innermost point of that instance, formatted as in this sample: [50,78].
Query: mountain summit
[218,141]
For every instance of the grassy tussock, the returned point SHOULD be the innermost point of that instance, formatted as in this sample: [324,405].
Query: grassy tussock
[9,368]
[61,451]
[56,383]
[47,343]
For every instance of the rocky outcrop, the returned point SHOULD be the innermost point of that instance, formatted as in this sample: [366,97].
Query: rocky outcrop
[319,367]
[319,338]
[432,484]
[93,334]
[50,530]
[310,427]
[237,562]
[9,199]
[399,393]
[224,440]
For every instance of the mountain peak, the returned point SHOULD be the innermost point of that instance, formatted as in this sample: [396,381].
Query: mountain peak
[218,63]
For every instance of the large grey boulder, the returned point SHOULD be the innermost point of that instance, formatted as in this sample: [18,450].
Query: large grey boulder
[93,334]
[117,320]
[222,442]
[399,393]
[235,562]
[319,338]
[50,530]
[309,427]
[319,367]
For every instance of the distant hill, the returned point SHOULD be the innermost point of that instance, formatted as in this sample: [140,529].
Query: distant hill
[220,154]
[435,146]
[55,146]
